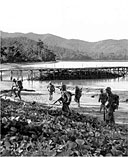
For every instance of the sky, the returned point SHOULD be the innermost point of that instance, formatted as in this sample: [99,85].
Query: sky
[89,20]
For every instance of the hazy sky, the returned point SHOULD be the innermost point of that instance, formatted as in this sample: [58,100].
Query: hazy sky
[89,20]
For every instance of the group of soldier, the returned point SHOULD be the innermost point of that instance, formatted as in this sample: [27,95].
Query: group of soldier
[66,96]
[109,101]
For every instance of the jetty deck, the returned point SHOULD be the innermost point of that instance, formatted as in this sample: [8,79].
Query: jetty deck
[66,73]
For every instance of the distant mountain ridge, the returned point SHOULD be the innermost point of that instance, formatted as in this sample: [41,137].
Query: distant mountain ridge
[74,49]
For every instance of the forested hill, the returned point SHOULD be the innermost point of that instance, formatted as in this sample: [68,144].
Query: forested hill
[72,49]
[22,49]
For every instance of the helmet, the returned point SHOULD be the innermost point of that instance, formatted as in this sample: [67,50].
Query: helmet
[14,80]
[101,90]
[108,89]
[63,87]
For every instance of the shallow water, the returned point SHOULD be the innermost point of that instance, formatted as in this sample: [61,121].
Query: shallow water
[89,86]
[120,84]
[115,84]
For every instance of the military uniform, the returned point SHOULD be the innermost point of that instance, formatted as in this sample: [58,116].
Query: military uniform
[51,90]
[78,94]
[113,102]
[66,100]
[103,99]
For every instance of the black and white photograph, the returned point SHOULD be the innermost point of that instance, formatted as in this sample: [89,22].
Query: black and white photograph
[64,78]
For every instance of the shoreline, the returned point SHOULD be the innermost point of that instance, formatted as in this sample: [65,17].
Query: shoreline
[86,100]
[89,100]
[87,108]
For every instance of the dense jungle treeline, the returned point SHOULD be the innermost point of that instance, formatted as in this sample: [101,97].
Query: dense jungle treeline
[22,49]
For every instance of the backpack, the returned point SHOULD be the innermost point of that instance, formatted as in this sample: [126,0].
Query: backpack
[115,101]
[78,94]
[20,85]
[67,97]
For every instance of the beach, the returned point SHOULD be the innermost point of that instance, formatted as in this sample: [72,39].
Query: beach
[34,126]
[89,101]
[90,94]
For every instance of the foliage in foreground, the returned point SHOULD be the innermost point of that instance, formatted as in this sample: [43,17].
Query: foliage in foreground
[34,130]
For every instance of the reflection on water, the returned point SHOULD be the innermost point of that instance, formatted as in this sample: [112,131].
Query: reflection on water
[120,84]
[116,84]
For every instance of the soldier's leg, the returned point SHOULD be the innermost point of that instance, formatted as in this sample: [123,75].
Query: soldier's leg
[19,94]
[113,118]
[65,108]
[101,106]
[107,117]
[14,91]
[50,96]
[79,102]
[11,91]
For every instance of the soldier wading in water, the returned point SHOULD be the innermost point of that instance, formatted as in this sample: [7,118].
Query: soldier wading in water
[113,103]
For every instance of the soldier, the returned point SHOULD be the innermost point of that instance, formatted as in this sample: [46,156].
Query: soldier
[113,103]
[51,90]
[65,98]
[61,87]
[14,87]
[19,89]
[78,94]
[103,99]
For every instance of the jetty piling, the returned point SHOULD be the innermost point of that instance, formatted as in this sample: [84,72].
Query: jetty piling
[11,75]
[28,75]
[1,76]
[31,74]
[21,75]
[40,71]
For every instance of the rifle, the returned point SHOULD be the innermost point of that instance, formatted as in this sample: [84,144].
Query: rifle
[57,100]
[104,114]
[58,87]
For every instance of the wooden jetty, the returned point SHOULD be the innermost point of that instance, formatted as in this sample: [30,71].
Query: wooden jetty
[66,73]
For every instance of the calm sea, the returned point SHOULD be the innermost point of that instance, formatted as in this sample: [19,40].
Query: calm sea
[89,86]
[116,84]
